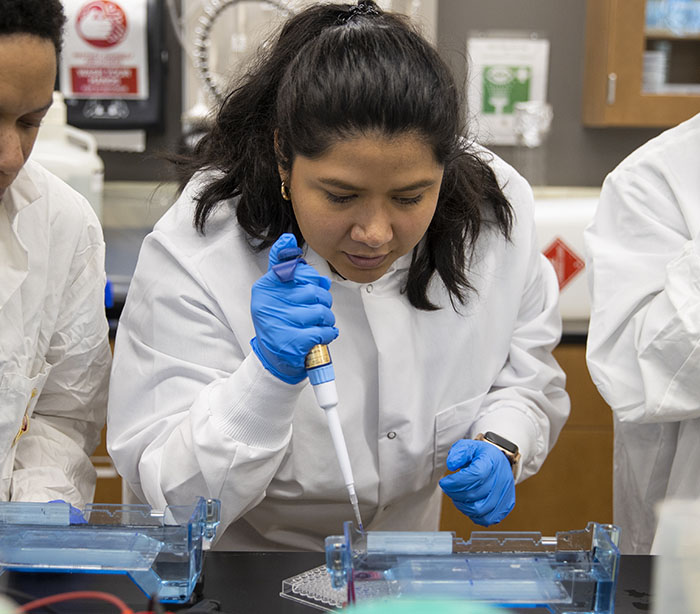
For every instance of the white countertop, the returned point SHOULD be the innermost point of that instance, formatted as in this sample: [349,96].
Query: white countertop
[135,204]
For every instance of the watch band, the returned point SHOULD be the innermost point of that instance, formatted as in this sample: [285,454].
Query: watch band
[504,445]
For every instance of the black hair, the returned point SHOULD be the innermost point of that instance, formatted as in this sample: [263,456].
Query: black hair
[337,71]
[42,18]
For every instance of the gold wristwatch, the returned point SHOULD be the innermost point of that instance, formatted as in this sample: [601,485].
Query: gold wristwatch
[504,445]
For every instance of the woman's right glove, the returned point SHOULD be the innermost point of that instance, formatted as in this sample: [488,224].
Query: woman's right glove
[290,317]
[483,488]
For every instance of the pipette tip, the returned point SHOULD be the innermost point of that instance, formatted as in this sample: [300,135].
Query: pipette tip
[360,528]
[356,509]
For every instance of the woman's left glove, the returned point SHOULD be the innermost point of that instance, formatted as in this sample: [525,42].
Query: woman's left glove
[483,488]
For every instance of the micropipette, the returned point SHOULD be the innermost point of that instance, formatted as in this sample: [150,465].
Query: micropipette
[319,368]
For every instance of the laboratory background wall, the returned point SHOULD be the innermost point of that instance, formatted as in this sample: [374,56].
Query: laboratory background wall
[575,155]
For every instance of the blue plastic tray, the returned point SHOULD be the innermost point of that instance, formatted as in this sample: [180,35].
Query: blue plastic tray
[573,572]
[161,550]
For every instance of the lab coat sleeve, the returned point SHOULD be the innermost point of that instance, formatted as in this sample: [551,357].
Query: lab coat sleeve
[192,412]
[644,275]
[52,459]
[528,403]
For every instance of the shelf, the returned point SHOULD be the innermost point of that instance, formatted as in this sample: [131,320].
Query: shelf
[616,39]
[658,34]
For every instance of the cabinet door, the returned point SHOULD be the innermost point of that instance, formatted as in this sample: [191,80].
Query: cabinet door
[109,483]
[613,93]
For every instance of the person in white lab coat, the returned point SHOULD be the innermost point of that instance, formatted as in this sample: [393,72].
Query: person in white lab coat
[420,257]
[643,261]
[54,349]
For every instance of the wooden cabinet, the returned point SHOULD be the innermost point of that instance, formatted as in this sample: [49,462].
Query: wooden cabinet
[616,40]
[574,486]
[109,483]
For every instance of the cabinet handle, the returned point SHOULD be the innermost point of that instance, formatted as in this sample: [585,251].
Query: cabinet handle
[612,83]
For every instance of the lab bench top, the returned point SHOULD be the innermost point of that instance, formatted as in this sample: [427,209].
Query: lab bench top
[250,583]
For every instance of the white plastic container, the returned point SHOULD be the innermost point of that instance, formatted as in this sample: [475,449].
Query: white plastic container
[561,219]
[70,153]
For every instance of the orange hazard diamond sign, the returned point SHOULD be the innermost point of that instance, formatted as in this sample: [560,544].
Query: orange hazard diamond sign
[567,263]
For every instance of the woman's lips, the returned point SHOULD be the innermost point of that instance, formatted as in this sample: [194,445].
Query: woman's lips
[365,262]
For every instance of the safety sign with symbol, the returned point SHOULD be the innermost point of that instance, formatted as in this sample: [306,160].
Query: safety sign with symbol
[567,263]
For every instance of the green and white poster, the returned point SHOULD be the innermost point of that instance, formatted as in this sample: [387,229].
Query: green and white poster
[504,70]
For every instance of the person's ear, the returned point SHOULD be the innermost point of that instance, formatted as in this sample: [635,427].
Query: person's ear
[282,168]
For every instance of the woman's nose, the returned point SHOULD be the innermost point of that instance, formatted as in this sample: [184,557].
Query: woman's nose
[374,228]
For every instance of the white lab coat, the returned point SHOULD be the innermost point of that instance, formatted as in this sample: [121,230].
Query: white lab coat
[54,348]
[643,259]
[193,412]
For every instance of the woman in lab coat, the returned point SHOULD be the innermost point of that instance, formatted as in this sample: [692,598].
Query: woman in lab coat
[54,346]
[643,259]
[420,257]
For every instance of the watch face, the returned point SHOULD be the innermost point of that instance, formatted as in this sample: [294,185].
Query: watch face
[501,442]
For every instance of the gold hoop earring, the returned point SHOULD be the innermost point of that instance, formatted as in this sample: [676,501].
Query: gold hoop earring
[284,190]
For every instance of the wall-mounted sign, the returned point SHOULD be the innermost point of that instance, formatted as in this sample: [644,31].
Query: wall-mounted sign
[105,50]
[503,70]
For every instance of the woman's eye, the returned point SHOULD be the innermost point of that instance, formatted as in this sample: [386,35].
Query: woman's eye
[409,200]
[339,198]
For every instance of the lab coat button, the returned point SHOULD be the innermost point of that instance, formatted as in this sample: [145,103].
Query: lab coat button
[391,435]
[369,288]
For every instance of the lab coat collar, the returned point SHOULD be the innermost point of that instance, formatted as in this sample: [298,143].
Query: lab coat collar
[14,258]
[21,193]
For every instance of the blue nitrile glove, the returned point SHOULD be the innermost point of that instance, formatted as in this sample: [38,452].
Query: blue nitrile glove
[290,317]
[483,488]
[75,516]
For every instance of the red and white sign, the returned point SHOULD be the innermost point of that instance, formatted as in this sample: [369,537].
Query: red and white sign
[567,263]
[101,23]
[105,49]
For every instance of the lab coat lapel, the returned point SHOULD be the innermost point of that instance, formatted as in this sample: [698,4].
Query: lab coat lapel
[14,258]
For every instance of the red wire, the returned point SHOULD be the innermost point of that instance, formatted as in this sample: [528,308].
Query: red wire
[38,603]
[351,590]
